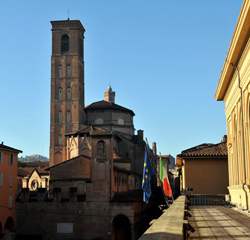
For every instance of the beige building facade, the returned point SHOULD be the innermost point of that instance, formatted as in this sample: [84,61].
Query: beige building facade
[204,169]
[234,90]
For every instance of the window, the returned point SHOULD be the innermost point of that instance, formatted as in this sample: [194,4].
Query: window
[10,201]
[120,121]
[68,116]
[65,44]
[11,159]
[68,93]
[34,185]
[10,180]
[60,71]
[60,139]
[1,157]
[60,94]
[60,116]
[1,179]
[99,121]
[68,71]
[101,148]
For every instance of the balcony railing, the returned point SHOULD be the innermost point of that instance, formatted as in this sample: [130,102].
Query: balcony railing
[206,199]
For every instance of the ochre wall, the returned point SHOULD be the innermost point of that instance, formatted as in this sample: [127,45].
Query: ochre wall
[206,176]
[7,191]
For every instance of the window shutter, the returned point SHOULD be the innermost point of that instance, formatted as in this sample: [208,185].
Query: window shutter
[10,180]
[1,179]
[9,158]
[10,202]
[1,157]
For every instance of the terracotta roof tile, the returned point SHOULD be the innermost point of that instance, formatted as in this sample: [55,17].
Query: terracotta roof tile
[219,149]
[37,164]
[133,196]
[22,173]
[88,129]
[4,147]
[118,157]
[26,171]
[107,105]
[71,159]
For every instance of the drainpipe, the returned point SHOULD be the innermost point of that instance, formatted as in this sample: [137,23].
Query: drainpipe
[243,136]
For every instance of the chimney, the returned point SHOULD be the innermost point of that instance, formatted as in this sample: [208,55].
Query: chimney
[140,135]
[224,139]
[154,148]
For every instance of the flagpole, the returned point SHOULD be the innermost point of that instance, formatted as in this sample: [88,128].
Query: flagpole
[171,189]
[162,187]
[148,172]
[152,157]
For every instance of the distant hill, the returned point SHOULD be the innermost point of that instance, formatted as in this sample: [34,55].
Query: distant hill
[33,158]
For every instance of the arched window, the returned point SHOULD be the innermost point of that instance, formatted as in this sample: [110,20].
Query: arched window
[65,44]
[99,121]
[60,117]
[60,71]
[34,185]
[60,140]
[68,71]
[60,94]
[68,93]
[120,121]
[68,116]
[101,148]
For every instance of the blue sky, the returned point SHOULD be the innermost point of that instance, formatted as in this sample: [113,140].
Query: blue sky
[163,59]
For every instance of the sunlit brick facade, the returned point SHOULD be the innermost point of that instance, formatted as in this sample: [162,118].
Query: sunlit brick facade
[8,190]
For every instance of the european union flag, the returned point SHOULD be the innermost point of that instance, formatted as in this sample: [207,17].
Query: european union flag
[148,172]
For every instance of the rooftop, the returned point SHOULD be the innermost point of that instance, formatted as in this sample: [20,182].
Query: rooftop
[108,105]
[4,147]
[206,149]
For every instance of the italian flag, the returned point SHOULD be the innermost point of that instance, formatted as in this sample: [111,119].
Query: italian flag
[164,178]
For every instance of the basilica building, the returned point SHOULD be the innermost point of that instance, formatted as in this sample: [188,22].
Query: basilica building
[96,159]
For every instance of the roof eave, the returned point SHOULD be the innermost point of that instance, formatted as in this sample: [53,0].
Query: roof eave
[236,47]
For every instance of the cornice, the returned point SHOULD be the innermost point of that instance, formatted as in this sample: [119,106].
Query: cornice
[237,45]
[72,24]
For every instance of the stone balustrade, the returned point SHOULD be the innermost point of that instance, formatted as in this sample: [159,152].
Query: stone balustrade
[171,224]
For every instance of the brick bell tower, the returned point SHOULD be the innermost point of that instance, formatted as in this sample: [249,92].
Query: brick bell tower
[67,85]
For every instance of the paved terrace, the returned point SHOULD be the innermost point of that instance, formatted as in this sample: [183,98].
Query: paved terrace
[218,222]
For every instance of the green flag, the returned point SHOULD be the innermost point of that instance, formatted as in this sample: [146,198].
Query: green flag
[161,169]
